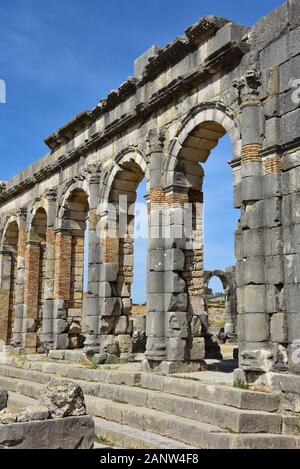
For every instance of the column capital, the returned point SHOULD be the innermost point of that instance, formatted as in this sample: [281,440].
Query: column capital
[155,140]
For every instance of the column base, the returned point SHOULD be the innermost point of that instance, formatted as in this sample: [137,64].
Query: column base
[168,368]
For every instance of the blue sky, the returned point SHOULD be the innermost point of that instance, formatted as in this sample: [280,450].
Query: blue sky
[61,57]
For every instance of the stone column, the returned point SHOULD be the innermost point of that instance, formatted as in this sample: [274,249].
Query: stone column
[31,294]
[169,324]
[5,296]
[287,326]
[62,288]
[92,342]
[253,318]
[156,349]
[48,300]
[18,339]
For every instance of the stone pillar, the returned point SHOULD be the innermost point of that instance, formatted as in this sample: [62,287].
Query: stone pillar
[253,318]
[92,342]
[18,339]
[62,288]
[31,294]
[231,306]
[47,337]
[5,296]
[287,326]
[170,321]
[156,349]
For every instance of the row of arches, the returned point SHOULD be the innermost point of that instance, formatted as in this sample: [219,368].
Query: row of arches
[48,263]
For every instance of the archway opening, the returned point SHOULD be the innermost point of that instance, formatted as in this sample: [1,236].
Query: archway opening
[208,180]
[127,252]
[216,303]
[37,268]
[10,271]
[76,223]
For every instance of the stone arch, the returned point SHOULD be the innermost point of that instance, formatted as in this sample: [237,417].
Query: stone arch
[220,274]
[126,158]
[197,136]
[9,277]
[183,174]
[117,218]
[39,205]
[228,280]
[79,185]
[8,222]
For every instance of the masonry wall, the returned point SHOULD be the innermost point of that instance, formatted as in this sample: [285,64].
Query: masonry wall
[220,78]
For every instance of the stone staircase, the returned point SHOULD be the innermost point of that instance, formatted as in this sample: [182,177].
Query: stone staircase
[133,409]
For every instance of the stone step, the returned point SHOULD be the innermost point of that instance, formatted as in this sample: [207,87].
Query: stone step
[186,431]
[190,432]
[123,436]
[210,392]
[223,416]
[111,434]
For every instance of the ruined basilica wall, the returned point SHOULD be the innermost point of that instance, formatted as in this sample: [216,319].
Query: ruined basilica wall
[223,72]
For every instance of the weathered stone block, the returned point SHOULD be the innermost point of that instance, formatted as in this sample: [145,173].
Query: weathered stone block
[155,324]
[3,399]
[270,27]
[292,268]
[278,328]
[156,348]
[273,241]
[63,399]
[274,270]
[125,343]
[107,273]
[105,290]
[272,185]
[174,260]
[272,212]
[68,433]
[196,326]
[254,270]
[291,239]
[110,307]
[177,325]
[251,189]
[106,325]
[176,350]
[257,327]
[197,352]
[253,217]
[253,243]
[255,298]
[121,325]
